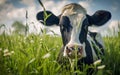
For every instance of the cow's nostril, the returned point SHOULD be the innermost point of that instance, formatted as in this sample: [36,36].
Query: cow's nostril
[68,50]
[71,48]
[74,50]
[80,49]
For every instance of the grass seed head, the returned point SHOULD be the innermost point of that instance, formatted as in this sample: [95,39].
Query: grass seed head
[6,51]
[7,54]
[12,52]
[46,55]
[97,62]
[101,67]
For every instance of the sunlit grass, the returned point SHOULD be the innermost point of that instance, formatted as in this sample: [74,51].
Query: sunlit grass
[36,55]
[112,57]
[28,54]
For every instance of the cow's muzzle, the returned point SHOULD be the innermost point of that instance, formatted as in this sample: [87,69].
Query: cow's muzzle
[74,51]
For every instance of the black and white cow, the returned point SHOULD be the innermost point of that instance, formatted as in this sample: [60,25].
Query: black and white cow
[77,40]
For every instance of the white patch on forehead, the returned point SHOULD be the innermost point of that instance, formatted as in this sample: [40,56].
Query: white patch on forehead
[76,22]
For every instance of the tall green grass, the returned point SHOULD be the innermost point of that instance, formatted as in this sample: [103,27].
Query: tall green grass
[29,54]
[36,55]
[112,57]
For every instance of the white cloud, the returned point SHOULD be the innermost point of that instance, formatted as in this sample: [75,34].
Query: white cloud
[34,25]
[113,24]
[113,27]
[16,13]
[55,7]
[26,2]
[85,4]
[5,8]
[2,1]
[115,6]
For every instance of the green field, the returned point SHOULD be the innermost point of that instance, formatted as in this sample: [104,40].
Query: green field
[36,55]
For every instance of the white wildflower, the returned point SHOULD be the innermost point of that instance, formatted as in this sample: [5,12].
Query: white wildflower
[6,51]
[31,41]
[7,54]
[55,61]
[57,46]
[97,62]
[46,56]
[41,39]
[12,52]
[25,38]
[101,67]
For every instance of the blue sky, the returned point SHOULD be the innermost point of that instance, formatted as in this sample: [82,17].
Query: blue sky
[12,10]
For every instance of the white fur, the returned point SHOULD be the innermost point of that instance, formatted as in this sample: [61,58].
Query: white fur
[93,51]
[99,39]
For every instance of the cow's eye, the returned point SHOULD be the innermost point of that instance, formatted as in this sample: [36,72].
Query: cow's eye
[67,28]
[63,28]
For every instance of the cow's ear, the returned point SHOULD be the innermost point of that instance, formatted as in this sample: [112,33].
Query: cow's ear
[47,18]
[99,18]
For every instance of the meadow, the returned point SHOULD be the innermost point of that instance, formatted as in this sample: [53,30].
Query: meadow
[36,54]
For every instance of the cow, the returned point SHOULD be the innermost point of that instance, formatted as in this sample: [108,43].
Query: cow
[78,41]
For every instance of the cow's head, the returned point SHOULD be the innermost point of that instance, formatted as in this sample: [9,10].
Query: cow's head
[74,22]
